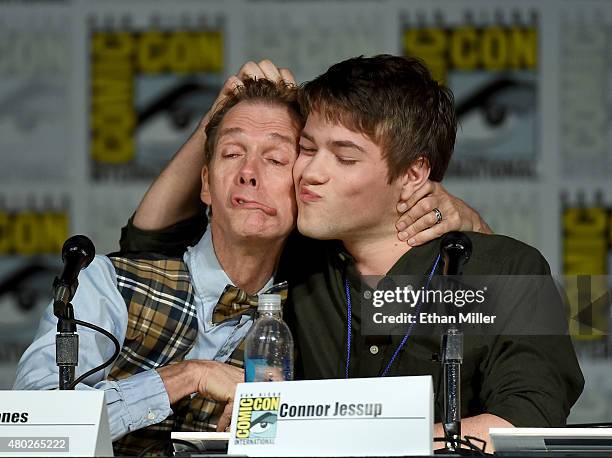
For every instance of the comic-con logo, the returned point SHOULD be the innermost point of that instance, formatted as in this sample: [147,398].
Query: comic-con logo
[257,418]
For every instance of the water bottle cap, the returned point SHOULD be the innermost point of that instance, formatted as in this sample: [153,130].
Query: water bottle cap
[269,303]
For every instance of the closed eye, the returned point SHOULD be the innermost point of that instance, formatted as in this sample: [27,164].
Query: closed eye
[230,155]
[275,162]
[307,151]
[346,161]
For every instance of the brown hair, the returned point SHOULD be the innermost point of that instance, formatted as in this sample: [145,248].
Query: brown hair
[395,102]
[253,90]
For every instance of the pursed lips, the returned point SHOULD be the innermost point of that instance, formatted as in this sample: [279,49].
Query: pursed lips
[306,195]
[248,204]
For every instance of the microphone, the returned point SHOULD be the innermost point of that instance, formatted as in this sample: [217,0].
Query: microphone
[456,249]
[77,253]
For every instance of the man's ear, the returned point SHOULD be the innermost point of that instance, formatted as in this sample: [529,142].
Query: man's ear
[416,175]
[205,193]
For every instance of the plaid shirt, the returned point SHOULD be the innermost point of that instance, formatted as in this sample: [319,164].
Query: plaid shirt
[162,328]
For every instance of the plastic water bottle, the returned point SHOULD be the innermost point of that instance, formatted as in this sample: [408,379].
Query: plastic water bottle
[269,344]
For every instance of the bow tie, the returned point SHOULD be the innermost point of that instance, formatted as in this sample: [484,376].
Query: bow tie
[235,302]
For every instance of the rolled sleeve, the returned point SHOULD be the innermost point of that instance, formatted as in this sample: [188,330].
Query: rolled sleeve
[135,402]
[532,381]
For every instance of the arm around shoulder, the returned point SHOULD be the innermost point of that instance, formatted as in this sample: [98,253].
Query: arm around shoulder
[169,241]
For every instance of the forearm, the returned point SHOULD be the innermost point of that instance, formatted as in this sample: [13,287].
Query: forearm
[174,195]
[477,426]
[132,403]
[178,380]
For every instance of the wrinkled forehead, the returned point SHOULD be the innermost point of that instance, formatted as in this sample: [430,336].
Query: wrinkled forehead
[256,120]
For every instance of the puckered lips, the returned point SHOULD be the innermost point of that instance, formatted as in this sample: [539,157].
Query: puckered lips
[306,195]
[243,203]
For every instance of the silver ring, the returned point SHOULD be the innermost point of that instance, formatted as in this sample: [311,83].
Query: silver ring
[438,214]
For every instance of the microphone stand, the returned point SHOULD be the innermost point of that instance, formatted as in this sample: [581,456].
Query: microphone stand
[456,249]
[452,357]
[66,339]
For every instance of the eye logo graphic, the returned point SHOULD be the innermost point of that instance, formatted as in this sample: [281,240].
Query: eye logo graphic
[257,418]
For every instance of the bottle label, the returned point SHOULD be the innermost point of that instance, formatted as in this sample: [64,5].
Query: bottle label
[258,370]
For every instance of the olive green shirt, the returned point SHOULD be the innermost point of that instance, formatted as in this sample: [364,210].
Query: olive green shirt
[527,380]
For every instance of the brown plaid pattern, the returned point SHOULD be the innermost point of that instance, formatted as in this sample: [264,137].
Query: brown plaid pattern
[235,302]
[162,322]
[162,328]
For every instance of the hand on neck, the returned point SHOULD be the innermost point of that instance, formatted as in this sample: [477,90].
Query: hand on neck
[249,263]
[377,252]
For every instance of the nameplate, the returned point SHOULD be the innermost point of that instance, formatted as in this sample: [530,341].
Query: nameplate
[54,423]
[356,417]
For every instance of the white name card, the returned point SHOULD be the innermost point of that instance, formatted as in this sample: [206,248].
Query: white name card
[356,417]
[54,423]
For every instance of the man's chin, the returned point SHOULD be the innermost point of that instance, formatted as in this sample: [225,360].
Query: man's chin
[314,230]
[254,232]
[252,229]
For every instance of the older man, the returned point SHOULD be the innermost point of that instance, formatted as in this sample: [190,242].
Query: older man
[161,308]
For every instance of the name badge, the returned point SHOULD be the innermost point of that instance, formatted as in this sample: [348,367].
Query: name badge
[54,423]
[356,417]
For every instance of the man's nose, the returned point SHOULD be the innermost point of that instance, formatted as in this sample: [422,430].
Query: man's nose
[248,180]
[247,174]
[314,171]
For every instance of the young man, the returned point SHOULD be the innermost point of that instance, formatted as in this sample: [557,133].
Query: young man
[377,129]
[381,127]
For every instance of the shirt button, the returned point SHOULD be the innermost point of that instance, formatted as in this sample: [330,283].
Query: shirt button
[374,349]
[151,415]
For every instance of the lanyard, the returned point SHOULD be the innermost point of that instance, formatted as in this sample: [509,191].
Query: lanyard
[350,316]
